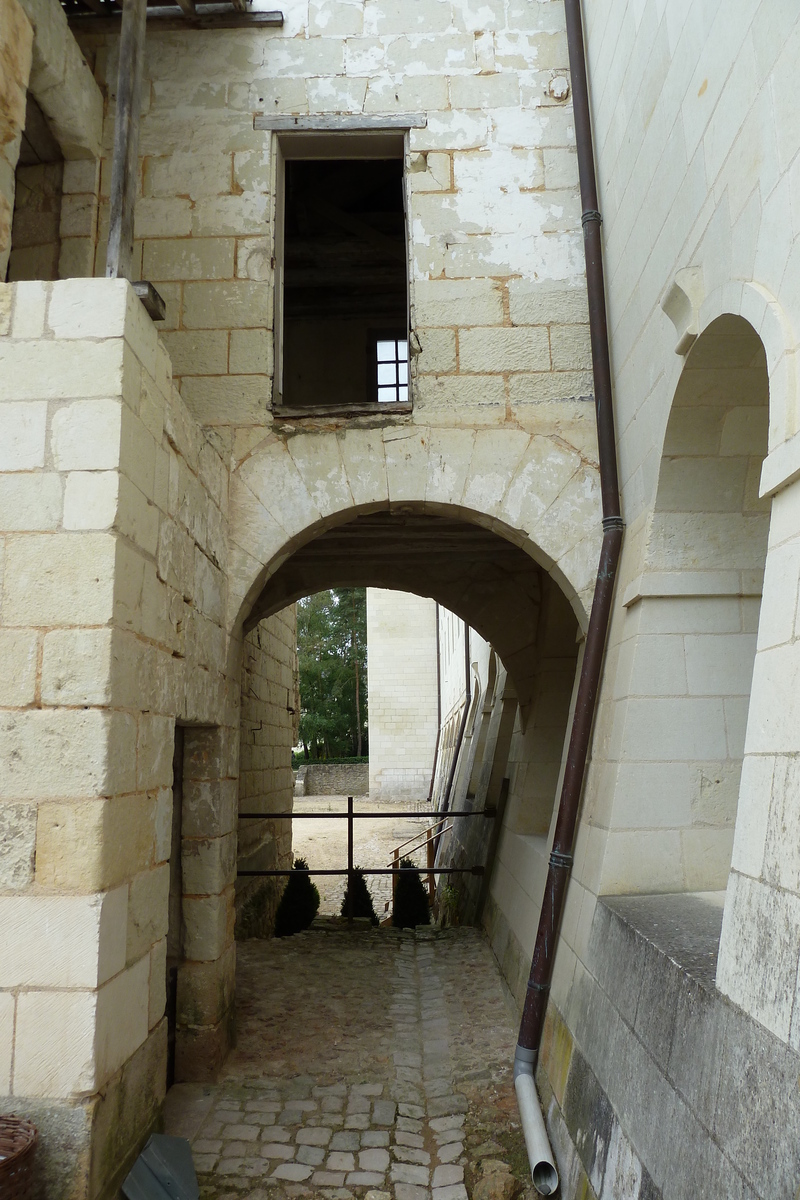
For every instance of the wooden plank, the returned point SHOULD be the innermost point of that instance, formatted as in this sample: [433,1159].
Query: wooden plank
[125,160]
[187,7]
[239,5]
[168,18]
[340,124]
[152,300]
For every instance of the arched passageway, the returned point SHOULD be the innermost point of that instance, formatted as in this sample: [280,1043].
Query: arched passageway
[512,602]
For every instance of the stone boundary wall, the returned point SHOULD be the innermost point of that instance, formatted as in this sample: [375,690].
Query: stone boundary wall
[334,779]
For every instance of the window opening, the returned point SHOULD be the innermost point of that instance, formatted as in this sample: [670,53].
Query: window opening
[391,361]
[343,303]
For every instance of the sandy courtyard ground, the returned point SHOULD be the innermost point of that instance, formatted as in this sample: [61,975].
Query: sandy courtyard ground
[323,843]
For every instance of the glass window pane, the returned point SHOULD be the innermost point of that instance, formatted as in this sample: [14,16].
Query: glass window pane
[386,351]
[402,395]
[386,393]
[402,349]
[387,373]
[402,372]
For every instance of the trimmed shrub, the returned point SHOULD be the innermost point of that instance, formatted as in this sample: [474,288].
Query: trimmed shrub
[299,902]
[362,898]
[410,898]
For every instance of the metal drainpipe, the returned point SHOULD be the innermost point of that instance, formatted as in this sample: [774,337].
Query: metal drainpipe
[438,705]
[467,701]
[545,1177]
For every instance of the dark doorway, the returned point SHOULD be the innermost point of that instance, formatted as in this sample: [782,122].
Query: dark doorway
[175,916]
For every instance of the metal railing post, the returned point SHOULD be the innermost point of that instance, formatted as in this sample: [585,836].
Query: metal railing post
[350,859]
[430,848]
[395,866]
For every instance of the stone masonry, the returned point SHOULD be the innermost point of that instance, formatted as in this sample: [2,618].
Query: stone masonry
[155,508]
[360,1070]
[270,714]
[401,635]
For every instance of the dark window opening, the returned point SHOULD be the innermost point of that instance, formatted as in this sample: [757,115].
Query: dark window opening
[35,230]
[344,277]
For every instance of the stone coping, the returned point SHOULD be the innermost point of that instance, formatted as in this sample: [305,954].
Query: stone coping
[685,927]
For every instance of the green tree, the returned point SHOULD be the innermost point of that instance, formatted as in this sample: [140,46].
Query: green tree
[332,654]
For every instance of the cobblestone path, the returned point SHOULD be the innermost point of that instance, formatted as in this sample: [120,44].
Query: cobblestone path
[369,1064]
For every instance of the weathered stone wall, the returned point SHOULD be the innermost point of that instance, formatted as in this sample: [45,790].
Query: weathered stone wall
[112,509]
[491,183]
[335,779]
[38,52]
[35,240]
[270,713]
[401,636]
[16,41]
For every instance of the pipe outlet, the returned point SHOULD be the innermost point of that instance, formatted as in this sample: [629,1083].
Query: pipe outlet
[537,1143]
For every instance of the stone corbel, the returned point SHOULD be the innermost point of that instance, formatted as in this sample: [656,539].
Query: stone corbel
[682,302]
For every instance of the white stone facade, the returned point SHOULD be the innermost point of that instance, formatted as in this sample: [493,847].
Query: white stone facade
[401,673]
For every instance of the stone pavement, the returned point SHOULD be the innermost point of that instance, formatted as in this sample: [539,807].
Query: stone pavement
[371,1064]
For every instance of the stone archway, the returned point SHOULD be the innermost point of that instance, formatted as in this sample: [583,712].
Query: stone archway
[536,492]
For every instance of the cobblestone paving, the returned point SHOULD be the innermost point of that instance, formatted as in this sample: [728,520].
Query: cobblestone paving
[369,1064]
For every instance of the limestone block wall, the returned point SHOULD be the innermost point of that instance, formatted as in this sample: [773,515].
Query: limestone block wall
[491,189]
[16,42]
[38,53]
[401,642]
[270,713]
[113,545]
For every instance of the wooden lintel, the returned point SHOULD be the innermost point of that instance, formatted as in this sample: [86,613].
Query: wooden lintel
[330,411]
[354,123]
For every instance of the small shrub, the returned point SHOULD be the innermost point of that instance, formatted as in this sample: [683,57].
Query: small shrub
[362,898]
[449,897]
[410,898]
[299,902]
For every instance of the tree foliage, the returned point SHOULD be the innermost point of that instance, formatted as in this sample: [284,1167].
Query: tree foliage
[332,653]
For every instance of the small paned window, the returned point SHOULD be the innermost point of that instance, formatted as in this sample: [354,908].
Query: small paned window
[391,361]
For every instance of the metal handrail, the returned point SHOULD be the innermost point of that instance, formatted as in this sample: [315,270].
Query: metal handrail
[350,816]
[425,834]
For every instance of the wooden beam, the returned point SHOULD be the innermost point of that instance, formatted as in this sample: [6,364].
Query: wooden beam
[343,124]
[170,17]
[187,7]
[125,161]
[239,5]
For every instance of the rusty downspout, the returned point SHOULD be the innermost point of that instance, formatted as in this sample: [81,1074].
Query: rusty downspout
[561,856]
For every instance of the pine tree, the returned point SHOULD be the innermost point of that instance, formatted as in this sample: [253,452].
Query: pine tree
[410,898]
[362,898]
[299,902]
